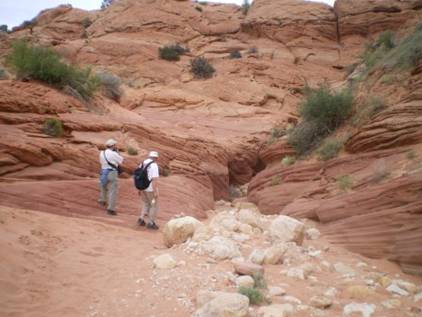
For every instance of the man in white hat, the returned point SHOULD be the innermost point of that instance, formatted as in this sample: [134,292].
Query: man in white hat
[110,161]
[150,194]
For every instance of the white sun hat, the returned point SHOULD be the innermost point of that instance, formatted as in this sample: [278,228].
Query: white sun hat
[153,154]
[111,142]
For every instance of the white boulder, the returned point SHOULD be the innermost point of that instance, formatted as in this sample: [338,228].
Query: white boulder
[287,229]
[178,230]
[164,261]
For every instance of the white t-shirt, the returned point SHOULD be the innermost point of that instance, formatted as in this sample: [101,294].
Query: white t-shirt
[112,157]
[153,172]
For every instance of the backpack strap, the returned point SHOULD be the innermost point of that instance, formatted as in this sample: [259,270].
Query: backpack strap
[146,166]
[108,162]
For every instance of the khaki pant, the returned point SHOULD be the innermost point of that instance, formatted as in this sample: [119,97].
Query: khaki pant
[108,193]
[149,209]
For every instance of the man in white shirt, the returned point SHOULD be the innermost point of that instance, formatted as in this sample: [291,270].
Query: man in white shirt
[150,194]
[110,161]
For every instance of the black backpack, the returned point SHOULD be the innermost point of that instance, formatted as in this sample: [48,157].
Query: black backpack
[140,176]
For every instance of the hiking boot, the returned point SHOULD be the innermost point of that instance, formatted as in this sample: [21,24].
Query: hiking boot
[152,226]
[141,222]
[111,212]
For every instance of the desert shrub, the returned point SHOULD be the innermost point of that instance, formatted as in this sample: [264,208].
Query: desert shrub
[327,109]
[304,137]
[86,22]
[406,53]
[329,149]
[3,74]
[345,182]
[255,295]
[199,9]
[53,127]
[171,52]
[245,7]
[276,133]
[276,180]
[410,155]
[259,281]
[350,68]
[3,28]
[42,63]
[165,171]
[201,67]
[111,85]
[235,54]
[132,151]
[288,160]
[322,112]
[253,50]
[371,107]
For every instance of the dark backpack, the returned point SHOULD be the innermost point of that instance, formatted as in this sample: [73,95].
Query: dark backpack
[140,176]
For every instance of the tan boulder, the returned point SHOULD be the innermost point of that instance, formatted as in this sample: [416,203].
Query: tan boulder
[276,310]
[247,268]
[178,230]
[287,229]
[164,261]
[224,305]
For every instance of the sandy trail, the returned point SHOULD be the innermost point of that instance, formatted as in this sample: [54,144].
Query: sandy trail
[62,266]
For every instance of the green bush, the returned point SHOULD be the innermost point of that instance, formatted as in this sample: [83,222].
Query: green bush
[405,54]
[42,63]
[165,171]
[372,106]
[111,85]
[86,22]
[255,296]
[329,110]
[304,137]
[132,151]
[235,54]
[201,68]
[288,160]
[171,52]
[276,180]
[259,281]
[345,182]
[276,133]
[329,149]
[53,127]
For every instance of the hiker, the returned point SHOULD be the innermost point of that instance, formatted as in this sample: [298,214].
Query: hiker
[150,193]
[110,161]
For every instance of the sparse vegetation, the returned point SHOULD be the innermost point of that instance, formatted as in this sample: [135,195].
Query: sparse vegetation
[371,107]
[322,111]
[132,151]
[53,127]
[276,180]
[410,155]
[165,171]
[350,69]
[171,52]
[199,9]
[3,74]
[259,281]
[329,149]
[86,22]
[201,68]
[42,63]
[255,295]
[345,182]
[380,174]
[111,85]
[276,133]
[253,50]
[288,160]
[235,54]
[245,7]
[385,52]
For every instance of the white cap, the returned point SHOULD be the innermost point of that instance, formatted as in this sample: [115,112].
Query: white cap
[153,154]
[111,142]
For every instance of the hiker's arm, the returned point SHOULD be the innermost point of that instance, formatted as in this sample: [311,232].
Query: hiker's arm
[154,182]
